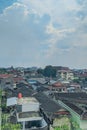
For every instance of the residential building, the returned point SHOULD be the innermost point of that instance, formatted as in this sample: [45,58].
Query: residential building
[65,74]
[27,113]
[79,116]
[57,87]
[76,104]
[52,111]
[6,80]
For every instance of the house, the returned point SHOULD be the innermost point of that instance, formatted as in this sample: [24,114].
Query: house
[76,104]
[27,112]
[79,116]
[18,79]
[65,74]
[6,80]
[51,111]
[76,87]
[58,87]
[30,73]
[38,81]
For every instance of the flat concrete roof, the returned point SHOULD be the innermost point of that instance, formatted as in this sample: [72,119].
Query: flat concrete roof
[28,116]
[25,100]
[19,101]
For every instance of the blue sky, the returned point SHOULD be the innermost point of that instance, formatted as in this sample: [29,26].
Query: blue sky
[40,33]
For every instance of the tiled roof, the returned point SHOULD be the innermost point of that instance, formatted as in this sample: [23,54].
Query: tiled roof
[5,75]
[74,107]
[84,116]
[74,101]
[25,90]
[48,105]
[81,96]
[58,84]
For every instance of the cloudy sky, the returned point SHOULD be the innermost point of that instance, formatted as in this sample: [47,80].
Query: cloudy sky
[43,32]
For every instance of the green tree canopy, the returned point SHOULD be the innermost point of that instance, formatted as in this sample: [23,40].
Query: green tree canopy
[49,71]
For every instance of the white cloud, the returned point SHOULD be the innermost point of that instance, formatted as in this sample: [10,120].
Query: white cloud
[59,32]
[22,35]
[44,32]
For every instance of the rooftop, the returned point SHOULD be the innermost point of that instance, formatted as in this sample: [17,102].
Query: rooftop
[65,71]
[5,75]
[13,101]
[73,107]
[75,96]
[76,101]
[24,89]
[28,116]
[58,84]
[77,109]
[48,105]
[25,100]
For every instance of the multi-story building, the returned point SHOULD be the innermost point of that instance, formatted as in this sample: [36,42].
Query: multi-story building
[27,113]
[65,74]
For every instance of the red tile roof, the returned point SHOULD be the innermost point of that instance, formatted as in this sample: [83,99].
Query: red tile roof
[5,75]
[58,84]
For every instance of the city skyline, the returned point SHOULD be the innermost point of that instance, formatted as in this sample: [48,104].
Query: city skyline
[40,33]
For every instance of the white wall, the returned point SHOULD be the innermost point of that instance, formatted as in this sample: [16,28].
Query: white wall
[30,107]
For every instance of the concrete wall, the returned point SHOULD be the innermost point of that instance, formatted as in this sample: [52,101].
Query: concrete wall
[30,107]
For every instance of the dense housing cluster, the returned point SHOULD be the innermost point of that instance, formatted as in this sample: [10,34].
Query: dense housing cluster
[35,99]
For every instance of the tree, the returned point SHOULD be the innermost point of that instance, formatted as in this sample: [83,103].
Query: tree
[40,71]
[2,71]
[0,93]
[0,96]
[9,126]
[49,71]
[62,127]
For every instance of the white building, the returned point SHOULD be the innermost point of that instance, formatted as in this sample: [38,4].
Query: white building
[65,75]
[28,114]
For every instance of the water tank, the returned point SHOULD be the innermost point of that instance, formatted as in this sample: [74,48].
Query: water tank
[20,95]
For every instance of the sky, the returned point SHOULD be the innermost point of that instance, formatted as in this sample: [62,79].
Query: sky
[40,33]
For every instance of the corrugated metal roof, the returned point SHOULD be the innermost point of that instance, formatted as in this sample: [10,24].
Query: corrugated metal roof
[11,101]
